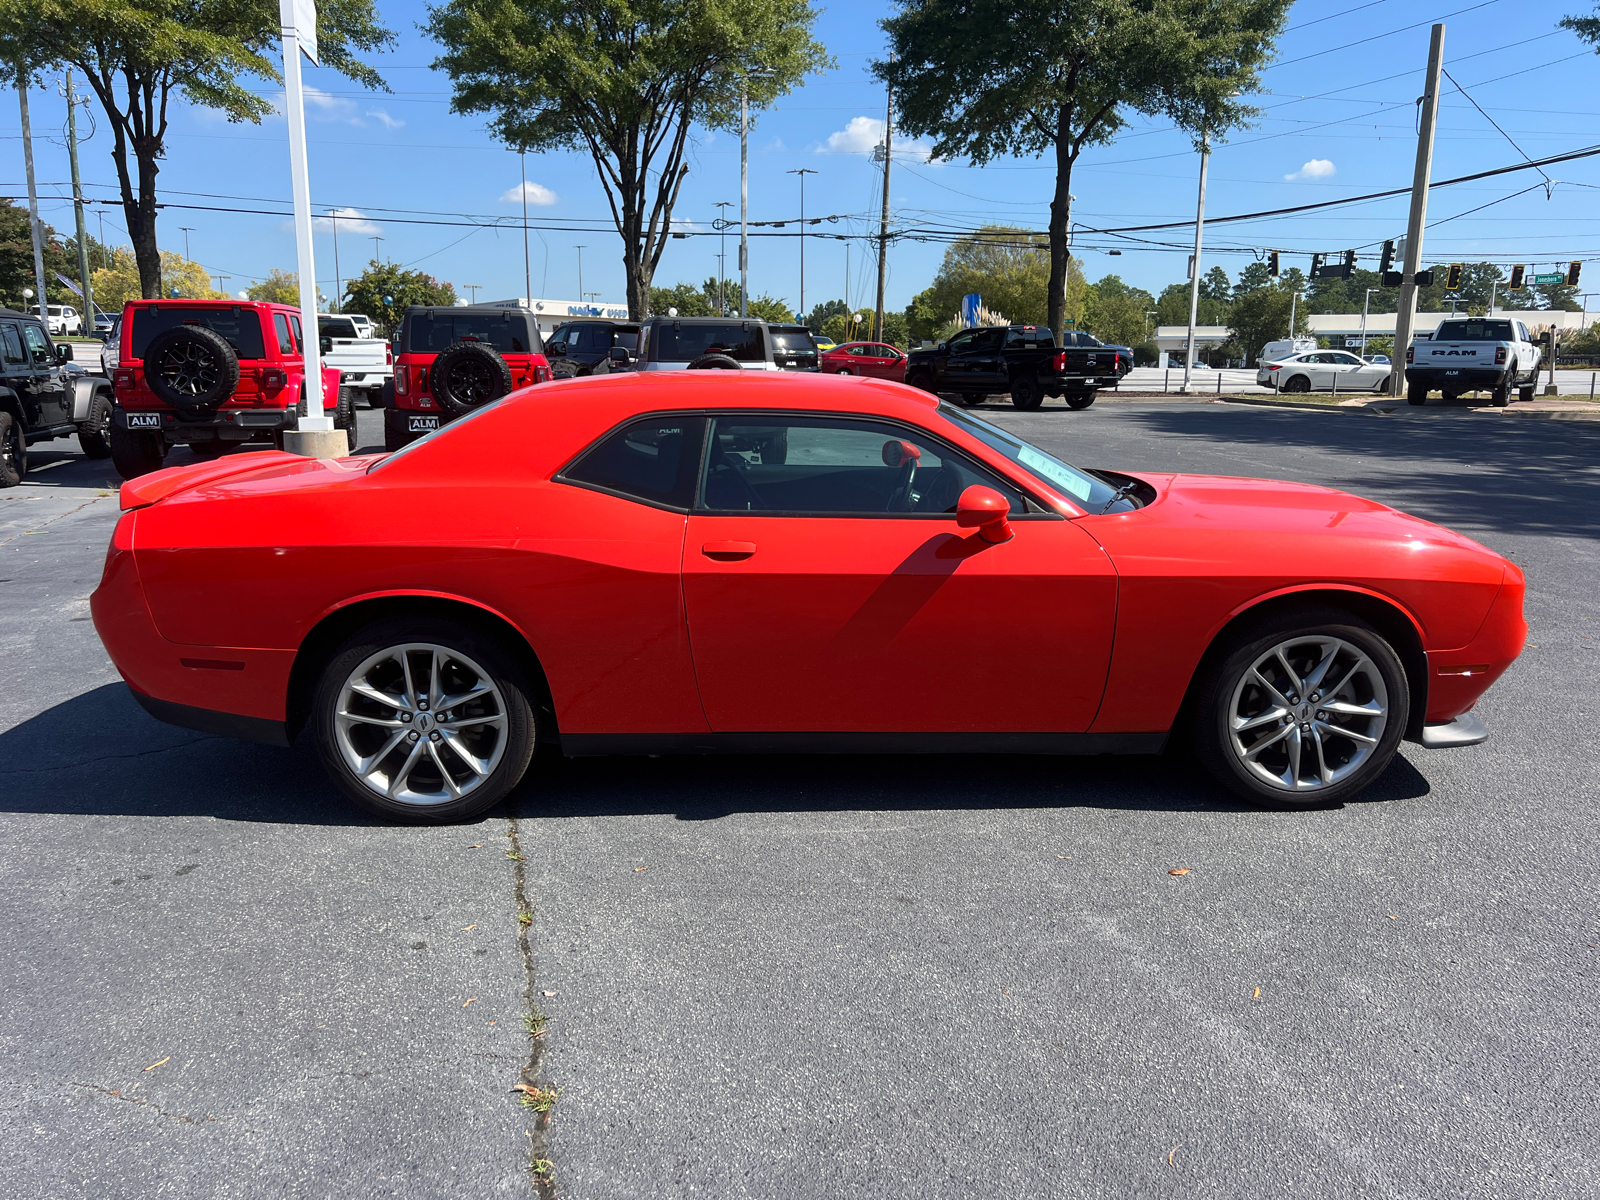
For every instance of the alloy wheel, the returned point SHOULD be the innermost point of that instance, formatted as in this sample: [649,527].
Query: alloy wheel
[471,382]
[190,369]
[421,724]
[1307,713]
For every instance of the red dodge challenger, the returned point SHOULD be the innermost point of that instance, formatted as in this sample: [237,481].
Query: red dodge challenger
[724,561]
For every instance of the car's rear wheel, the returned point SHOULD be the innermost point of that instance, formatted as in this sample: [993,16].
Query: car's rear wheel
[1297,383]
[1525,394]
[13,452]
[424,719]
[135,453]
[1079,400]
[94,434]
[1416,394]
[1307,708]
[972,399]
[1500,397]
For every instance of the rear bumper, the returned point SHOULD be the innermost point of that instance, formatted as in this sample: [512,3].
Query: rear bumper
[231,424]
[374,377]
[222,724]
[1054,385]
[1462,379]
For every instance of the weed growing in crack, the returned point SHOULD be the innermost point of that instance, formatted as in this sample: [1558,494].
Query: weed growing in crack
[544,1169]
[541,1100]
[524,918]
[535,1022]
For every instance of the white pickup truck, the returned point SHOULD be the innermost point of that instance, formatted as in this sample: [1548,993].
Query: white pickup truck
[365,364]
[1465,354]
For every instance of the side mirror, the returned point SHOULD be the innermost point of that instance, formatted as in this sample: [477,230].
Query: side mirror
[63,355]
[896,453]
[620,355]
[942,347]
[326,344]
[985,510]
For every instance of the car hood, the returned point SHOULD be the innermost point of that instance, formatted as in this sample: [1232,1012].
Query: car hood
[1256,537]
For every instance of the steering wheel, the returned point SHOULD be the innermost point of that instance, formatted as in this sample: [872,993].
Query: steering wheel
[728,464]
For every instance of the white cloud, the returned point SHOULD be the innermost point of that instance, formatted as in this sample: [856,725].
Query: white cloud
[1317,168]
[684,225]
[321,106]
[384,118]
[351,220]
[537,194]
[863,134]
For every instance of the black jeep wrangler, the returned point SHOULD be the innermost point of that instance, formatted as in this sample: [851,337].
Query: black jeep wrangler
[43,397]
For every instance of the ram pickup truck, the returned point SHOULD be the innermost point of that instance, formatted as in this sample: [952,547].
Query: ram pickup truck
[365,363]
[1021,359]
[1465,354]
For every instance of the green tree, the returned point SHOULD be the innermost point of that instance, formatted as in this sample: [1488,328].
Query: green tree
[1115,312]
[1252,278]
[821,312]
[923,320]
[117,282]
[771,309]
[1261,315]
[1216,285]
[187,279]
[991,78]
[1172,307]
[385,290]
[623,80]
[16,258]
[689,300]
[1009,267]
[279,287]
[1587,28]
[135,53]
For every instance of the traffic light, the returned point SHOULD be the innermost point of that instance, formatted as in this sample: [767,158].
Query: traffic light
[1316,265]
[1349,263]
[1572,273]
[1272,263]
[1424,278]
[1452,279]
[1388,257]
[1393,278]
[1517,273]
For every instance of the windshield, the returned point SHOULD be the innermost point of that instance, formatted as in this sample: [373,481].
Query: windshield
[1478,330]
[674,341]
[241,327]
[337,327]
[509,333]
[1086,490]
[793,341]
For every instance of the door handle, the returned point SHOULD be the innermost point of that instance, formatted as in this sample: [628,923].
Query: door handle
[728,551]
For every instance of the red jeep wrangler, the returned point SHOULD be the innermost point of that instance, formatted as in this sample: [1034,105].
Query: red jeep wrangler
[449,361]
[210,374]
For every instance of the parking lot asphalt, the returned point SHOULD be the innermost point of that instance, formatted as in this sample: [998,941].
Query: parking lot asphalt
[906,977]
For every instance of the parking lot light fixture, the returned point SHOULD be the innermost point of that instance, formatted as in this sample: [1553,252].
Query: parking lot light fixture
[1366,300]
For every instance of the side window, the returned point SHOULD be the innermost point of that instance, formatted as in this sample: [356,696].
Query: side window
[285,342]
[38,345]
[1522,333]
[827,466]
[989,340]
[962,342]
[11,341]
[299,342]
[654,460]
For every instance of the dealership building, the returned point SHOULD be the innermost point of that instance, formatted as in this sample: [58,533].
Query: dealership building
[548,314]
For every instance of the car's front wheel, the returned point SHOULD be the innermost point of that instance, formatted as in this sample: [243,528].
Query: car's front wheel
[424,720]
[1307,708]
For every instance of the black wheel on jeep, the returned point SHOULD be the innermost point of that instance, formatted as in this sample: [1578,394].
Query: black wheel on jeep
[192,368]
[467,375]
[714,362]
[395,434]
[135,453]
[344,416]
[94,434]
[13,452]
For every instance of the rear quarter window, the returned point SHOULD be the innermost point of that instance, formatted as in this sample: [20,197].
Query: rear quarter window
[240,327]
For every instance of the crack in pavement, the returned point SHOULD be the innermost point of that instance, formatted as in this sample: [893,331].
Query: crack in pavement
[54,519]
[116,1094]
[87,762]
[540,1168]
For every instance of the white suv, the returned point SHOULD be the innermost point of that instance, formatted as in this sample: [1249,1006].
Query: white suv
[63,319]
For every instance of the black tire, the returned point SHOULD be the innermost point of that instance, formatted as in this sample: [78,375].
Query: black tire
[135,452]
[715,362]
[972,399]
[468,375]
[1525,394]
[191,368]
[1449,397]
[1416,394]
[1213,701]
[395,433]
[94,434]
[386,395]
[1500,397]
[513,744]
[844,371]
[209,450]
[1079,401]
[1297,383]
[13,452]
[922,380]
[344,416]
[1025,394]
[1383,388]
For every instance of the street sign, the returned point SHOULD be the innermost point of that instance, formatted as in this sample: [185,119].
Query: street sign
[1553,277]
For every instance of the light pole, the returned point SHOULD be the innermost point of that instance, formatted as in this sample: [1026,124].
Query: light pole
[580,274]
[1366,300]
[1148,313]
[1294,301]
[1583,318]
[744,188]
[802,172]
[187,230]
[377,254]
[473,288]
[1494,285]
[338,283]
[527,261]
[1194,284]
[722,260]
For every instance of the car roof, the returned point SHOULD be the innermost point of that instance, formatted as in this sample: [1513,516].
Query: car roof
[11,312]
[657,318]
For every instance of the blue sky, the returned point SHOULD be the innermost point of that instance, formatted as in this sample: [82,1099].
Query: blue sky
[1338,120]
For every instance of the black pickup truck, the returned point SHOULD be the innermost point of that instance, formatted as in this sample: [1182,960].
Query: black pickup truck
[1023,360]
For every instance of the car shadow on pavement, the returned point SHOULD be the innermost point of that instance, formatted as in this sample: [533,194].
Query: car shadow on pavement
[709,787]
[100,754]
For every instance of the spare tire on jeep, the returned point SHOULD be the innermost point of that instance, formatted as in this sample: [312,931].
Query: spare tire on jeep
[467,375]
[192,368]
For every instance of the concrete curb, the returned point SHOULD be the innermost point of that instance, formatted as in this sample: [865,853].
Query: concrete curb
[1385,409]
[1301,404]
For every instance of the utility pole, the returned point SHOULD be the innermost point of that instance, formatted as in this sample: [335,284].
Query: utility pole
[1365,301]
[187,230]
[338,281]
[802,172]
[1194,283]
[1294,300]
[527,259]
[1406,313]
[77,210]
[377,253]
[883,224]
[1494,285]
[580,274]
[722,259]
[33,195]
[744,196]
